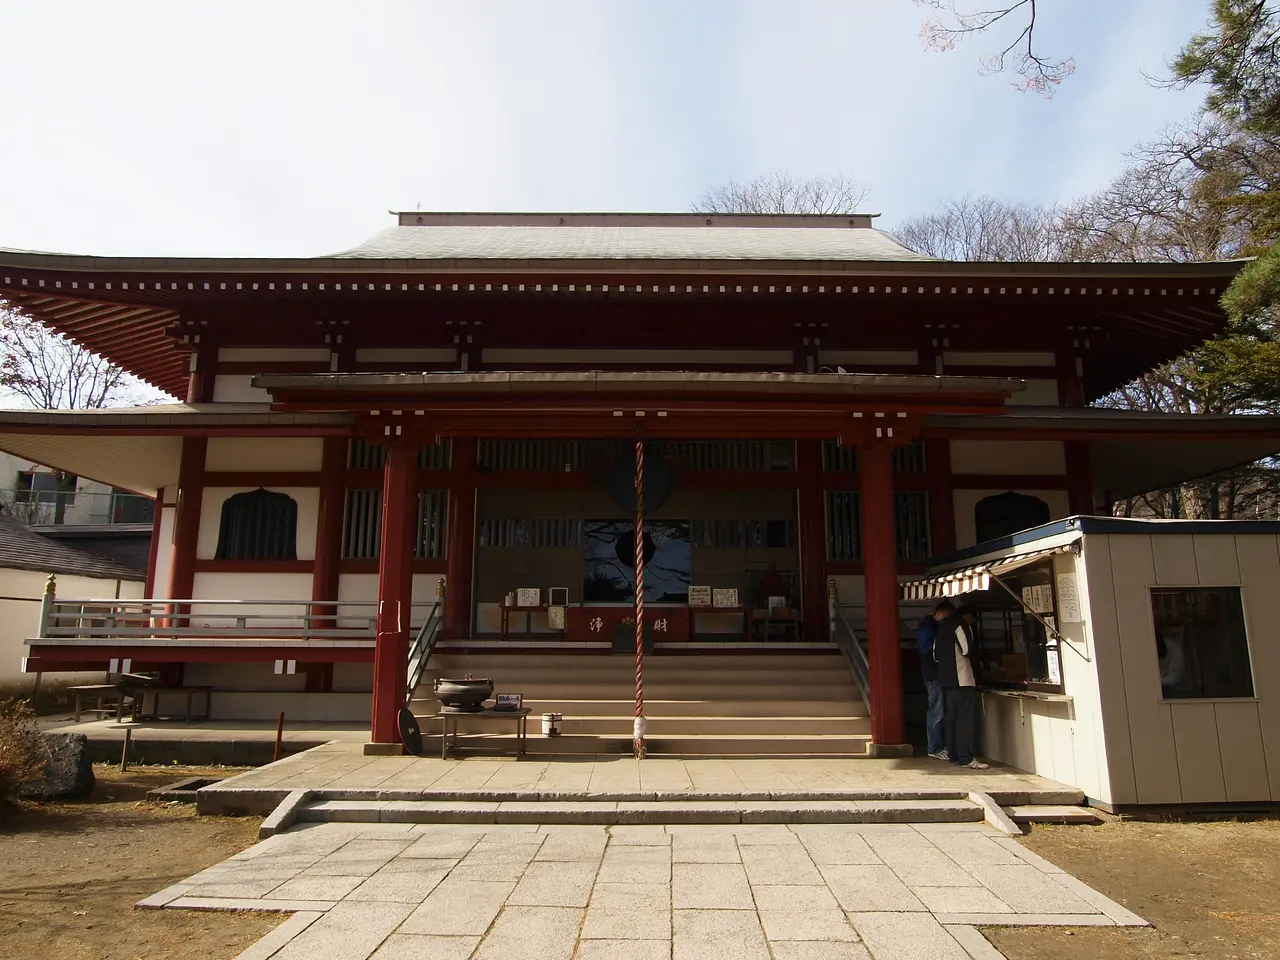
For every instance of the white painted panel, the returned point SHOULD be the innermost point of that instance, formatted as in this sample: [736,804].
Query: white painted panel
[1216,561]
[358,598]
[1080,742]
[869,358]
[1195,730]
[250,587]
[297,705]
[356,677]
[261,354]
[994,358]
[1105,678]
[966,500]
[297,454]
[426,355]
[307,499]
[164,553]
[541,355]
[1244,762]
[237,388]
[1260,573]
[1039,457]
[1155,757]
[1175,560]
[1036,393]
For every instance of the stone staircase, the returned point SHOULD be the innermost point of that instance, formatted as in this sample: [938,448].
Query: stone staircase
[752,703]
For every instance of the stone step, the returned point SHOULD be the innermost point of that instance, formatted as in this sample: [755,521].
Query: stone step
[713,744]
[653,812]
[1051,813]
[660,726]
[564,689]
[591,707]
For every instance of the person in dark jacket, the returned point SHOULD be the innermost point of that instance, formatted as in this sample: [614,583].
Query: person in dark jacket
[925,632]
[952,652]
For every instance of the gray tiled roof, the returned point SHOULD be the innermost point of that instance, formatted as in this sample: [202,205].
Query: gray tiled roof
[21,548]
[504,242]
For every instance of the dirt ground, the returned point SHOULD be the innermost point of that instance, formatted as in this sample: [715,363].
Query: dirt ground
[70,873]
[1211,889]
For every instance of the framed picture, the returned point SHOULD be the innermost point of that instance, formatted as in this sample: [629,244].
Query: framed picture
[699,596]
[724,597]
[508,702]
[529,597]
[557,596]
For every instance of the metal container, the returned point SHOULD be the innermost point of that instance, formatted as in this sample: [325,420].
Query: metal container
[551,724]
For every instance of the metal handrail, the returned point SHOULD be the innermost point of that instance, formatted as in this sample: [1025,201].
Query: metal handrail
[854,655]
[424,644]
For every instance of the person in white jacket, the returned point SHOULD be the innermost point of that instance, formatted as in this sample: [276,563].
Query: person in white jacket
[953,651]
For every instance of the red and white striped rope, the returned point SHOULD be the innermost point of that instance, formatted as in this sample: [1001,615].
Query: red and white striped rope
[639,732]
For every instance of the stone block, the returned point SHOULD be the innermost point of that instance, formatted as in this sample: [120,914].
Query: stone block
[906,936]
[66,768]
[1027,890]
[632,896]
[708,848]
[399,886]
[717,935]
[277,938]
[787,865]
[622,923]
[350,931]
[459,908]
[315,888]
[960,900]
[548,933]
[555,884]
[869,888]
[794,899]
[408,946]
[624,950]
[971,938]
[710,886]
[807,925]
[818,950]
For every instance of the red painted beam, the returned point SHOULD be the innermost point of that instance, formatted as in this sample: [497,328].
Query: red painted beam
[879,549]
[95,656]
[395,591]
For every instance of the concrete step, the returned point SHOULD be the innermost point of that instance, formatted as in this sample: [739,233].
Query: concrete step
[1051,813]
[653,812]
[621,725]
[590,707]
[565,690]
[680,744]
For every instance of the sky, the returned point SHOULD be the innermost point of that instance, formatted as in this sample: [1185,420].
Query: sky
[290,128]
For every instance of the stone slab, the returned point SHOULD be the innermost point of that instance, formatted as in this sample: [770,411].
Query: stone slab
[265,948]
[717,935]
[906,936]
[284,815]
[350,931]
[408,946]
[710,886]
[1052,813]
[548,933]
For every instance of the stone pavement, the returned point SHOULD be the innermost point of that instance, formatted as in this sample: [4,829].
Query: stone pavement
[694,892]
[343,769]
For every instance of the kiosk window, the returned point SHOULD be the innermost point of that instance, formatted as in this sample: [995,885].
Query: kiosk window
[1015,647]
[1201,644]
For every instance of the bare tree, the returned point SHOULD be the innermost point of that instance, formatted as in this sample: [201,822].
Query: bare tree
[983,228]
[47,371]
[951,25]
[782,192]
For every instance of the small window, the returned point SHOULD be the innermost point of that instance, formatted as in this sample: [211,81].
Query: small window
[259,525]
[1201,644]
[32,486]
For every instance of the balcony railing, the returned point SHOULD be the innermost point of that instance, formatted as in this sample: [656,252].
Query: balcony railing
[49,507]
[159,620]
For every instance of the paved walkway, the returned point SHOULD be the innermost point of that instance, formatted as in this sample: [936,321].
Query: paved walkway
[343,766]
[763,892]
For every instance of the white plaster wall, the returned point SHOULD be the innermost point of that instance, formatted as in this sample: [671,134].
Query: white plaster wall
[164,549]
[297,454]
[997,358]
[398,355]
[868,358]
[307,498]
[249,587]
[268,354]
[353,677]
[22,591]
[966,500]
[1041,457]
[237,388]
[1037,393]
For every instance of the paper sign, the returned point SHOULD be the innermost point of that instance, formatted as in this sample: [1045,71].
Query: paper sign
[724,597]
[1068,599]
[1055,668]
[528,597]
[1038,598]
[699,596]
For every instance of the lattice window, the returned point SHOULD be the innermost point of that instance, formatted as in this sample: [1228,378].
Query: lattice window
[362,525]
[258,525]
[731,456]
[743,534]
[534,456]
[542,532]
[910,522]
[844,459]
[363,455]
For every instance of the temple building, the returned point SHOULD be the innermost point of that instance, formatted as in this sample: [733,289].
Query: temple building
[433,438]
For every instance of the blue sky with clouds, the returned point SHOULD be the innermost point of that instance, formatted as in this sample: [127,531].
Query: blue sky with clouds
[290,128]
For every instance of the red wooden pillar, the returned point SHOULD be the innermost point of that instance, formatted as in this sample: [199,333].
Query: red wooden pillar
[395,590]
[813,539]
[324,576]
[186,519]
[879,557]
[461,534]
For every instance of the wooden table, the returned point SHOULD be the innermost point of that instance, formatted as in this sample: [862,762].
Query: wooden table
[140,692]
[520,717]
[506,619]
[98,693]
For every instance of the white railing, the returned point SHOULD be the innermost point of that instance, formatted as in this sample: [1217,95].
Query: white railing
[141,620]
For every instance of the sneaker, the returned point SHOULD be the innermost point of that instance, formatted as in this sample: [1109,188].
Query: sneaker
[975,764]
[941,754]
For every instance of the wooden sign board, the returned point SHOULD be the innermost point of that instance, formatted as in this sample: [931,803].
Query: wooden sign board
[724,597]
[529,597]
